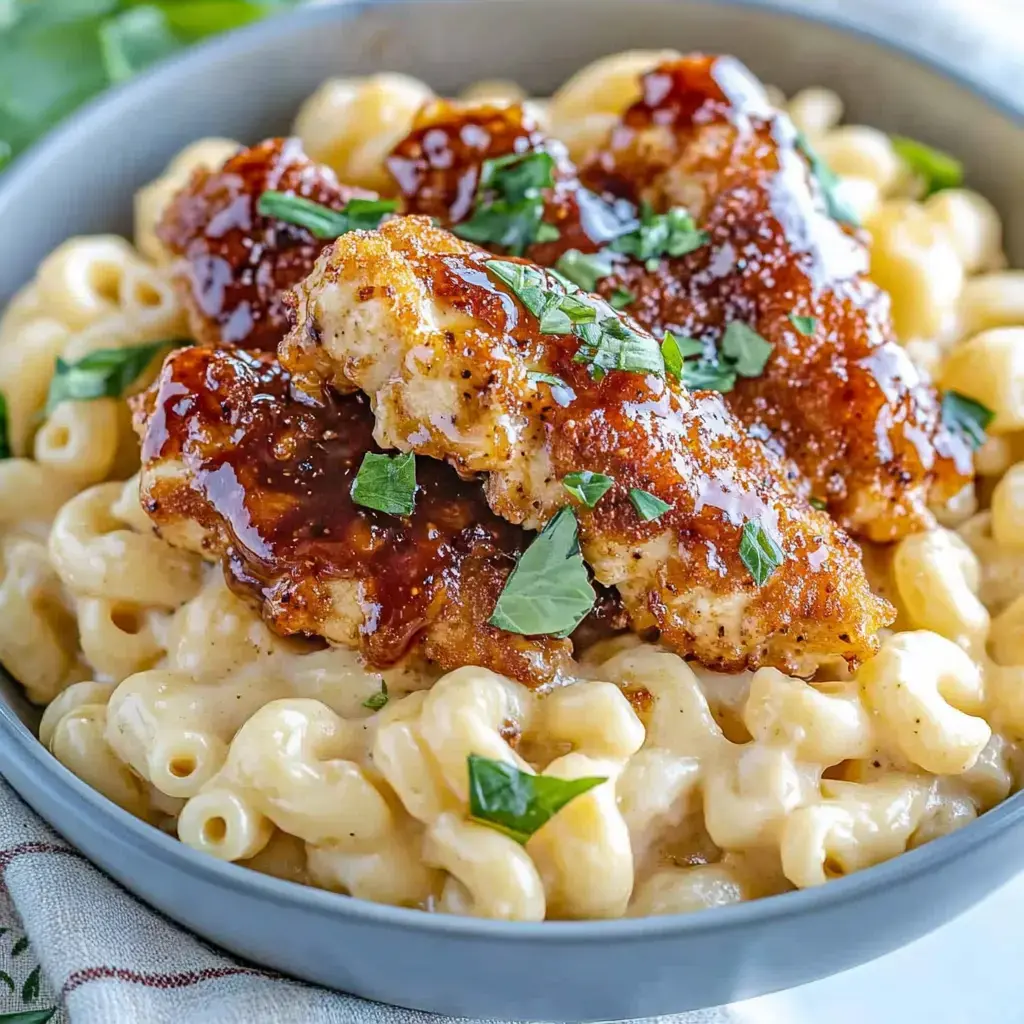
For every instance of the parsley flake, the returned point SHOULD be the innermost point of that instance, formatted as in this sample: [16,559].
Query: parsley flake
[377,700]
[386,483]
[587,487]
[819,503]
[584,269]
[936,169]
[509,204]
[661,234]
[648,506]
[828,181]
[323,221]
[621,298]
[806,325]
[674,350]
[549,591]
[104,373]
[516,802]
[760,551]
[745,349]
[966,417]
[611,345]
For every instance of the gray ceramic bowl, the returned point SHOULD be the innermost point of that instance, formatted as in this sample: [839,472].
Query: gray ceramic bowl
[248,86]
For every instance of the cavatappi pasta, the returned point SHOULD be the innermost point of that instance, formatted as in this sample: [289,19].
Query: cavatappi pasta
[168,693]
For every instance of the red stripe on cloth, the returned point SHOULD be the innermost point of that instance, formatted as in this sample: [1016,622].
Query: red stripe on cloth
[13,852]
[181,979]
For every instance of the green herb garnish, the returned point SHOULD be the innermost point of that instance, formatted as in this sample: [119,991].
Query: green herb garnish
[936,169]
[966,417]
[386,483]
[584,269]
[587,487]
[322,221]
[819,503]
[606,345]
[648,507]
[621,298]
[759,551]
[838,208]
[5,430]
[745,349]
[611,345]
[661,234]
[515,802]
[549,591]
[806,325]
[743,352]
[546,378]
[377,700]
[509,205]
[105,373]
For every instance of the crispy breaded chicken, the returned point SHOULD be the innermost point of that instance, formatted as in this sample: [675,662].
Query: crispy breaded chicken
[234,466]
[841,401]
[426,326]
[234,263]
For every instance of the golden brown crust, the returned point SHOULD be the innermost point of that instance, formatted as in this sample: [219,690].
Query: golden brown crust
[236,264]
[413,316]
[845,404]
[234,465]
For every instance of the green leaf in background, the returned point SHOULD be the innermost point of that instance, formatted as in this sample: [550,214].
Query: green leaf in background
[133,39]
[56,54]
[938,170]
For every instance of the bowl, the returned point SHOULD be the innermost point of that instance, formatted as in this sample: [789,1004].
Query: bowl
[248,86]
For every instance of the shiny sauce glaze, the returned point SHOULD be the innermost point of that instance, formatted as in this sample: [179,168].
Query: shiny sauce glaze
[235,265]
[268,478]
[682,574]
[845,406]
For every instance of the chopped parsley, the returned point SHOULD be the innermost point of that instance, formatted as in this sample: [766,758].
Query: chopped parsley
[509,204]
[584,269]
[386,483]
[377,700]
[806,325]
[936,169]
[587,487]
[606,345]
[621,298]
[611,345]
[819,503]
[838,208]
[760,551]
[661,234]
[743,353]
[323,221]
[516,802]
[966,417]
[104,373]
[549,591]
[745,349]
[648,506]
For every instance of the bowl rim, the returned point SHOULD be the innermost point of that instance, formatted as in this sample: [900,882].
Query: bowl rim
[77,797]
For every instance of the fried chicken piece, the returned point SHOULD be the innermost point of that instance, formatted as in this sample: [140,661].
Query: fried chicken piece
[235,264]
[416,319]
[843,403]
[233,465]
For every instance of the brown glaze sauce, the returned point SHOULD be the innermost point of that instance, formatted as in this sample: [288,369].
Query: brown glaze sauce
[845,406]
[685,448]
[270,477]
[235,265]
